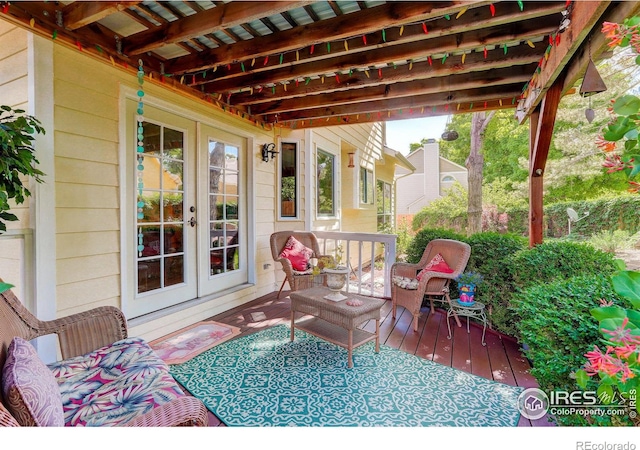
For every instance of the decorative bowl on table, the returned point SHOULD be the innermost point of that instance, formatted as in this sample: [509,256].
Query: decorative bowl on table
[336,279]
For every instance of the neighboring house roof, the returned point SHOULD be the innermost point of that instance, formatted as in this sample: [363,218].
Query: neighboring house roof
[399,158]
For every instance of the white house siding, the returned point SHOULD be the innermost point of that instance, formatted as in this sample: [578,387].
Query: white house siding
[417,190]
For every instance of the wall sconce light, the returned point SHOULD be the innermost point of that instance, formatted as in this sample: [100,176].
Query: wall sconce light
[351,163]
[268,149]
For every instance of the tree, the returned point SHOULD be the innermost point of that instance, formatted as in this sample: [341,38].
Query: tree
[475,166]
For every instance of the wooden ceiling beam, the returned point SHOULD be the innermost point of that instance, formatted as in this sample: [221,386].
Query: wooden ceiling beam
[421,71]
[583,17]
[208,21]
[438,100]
[399,114]
[477,19]
[415,50]
[79,14]
[371,20]
[451,85]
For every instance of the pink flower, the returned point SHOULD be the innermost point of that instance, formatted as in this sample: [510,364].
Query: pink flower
[604,145]
[622,335]
[614,163]
[603,302]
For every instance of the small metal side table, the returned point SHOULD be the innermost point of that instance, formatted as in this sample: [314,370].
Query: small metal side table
[476,310]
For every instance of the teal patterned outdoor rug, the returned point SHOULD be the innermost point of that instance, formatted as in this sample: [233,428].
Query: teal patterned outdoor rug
[263,379]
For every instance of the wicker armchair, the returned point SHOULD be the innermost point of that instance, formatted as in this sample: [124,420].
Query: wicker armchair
[82,333]
[297,280]
[433,285]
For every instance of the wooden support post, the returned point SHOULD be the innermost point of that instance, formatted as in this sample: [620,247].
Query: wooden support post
[541,131]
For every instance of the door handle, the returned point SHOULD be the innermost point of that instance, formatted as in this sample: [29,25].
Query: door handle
[192,222]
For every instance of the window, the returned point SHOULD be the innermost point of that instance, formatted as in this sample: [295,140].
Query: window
[224,224]
[325,184]
[366,186]
[448,179]
[288,180]
[385,211]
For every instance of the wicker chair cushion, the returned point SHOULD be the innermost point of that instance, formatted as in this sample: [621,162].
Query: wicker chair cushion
[30,388]
[437,264]
[296,252]
[405,283]
[113,384]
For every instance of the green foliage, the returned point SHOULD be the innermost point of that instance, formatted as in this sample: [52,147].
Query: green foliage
[556,327]
[423,237]
[559,260]
[503,193]
[490,255]
[404,237]
[618,369]
[450,210]
[17,158]
[607,213]
[612,240]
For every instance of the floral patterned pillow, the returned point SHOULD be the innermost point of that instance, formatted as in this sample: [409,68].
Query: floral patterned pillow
[296,252]
[30,389]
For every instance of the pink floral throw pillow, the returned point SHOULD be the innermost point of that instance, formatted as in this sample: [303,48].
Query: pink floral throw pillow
[437,264]
[30,389]
[296,252]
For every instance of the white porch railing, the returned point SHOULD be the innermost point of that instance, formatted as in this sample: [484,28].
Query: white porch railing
[363,252]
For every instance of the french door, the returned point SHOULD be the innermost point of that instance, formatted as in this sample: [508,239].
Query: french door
[223,230]
[187,213]
[163,201]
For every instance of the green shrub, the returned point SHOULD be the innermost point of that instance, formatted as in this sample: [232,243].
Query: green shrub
[424,236]
[615,213]
[556,325]
[557,260]
[490,255]
[611,241]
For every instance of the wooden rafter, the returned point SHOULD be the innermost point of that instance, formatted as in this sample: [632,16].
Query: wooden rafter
[350,60]
[369,21]
[207,21]
[79,14]
[460,82]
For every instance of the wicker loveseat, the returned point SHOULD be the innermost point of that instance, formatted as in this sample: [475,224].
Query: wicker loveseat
[104,377]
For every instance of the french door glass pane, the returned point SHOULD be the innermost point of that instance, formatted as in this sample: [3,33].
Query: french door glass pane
[160,201]
[223,207]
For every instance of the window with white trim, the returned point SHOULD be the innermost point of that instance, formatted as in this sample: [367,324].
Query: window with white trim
[325,184]
[366,186]
[288,180]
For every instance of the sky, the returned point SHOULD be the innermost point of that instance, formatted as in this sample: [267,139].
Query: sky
[402,133]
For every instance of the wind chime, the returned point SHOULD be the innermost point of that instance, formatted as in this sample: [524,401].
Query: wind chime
[592,83]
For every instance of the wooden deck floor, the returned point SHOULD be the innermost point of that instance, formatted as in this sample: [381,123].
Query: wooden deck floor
[500,360]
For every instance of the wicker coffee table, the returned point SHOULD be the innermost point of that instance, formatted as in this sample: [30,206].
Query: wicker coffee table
[336,322]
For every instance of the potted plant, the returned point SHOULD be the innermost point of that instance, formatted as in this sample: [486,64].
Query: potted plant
[336,273]
[17,157]
[467,284]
